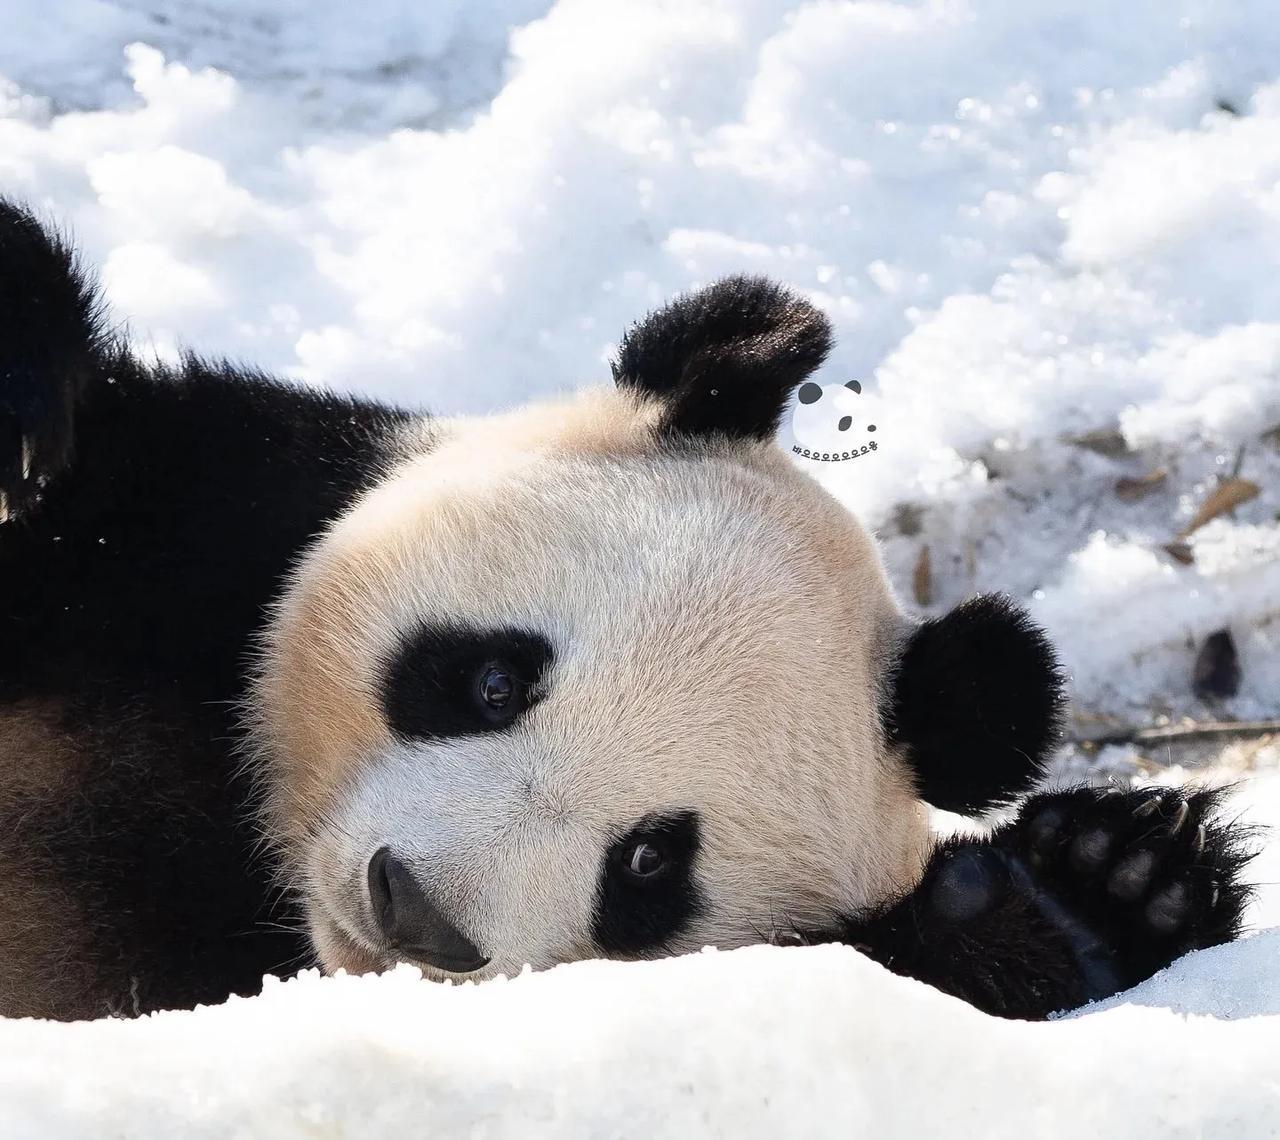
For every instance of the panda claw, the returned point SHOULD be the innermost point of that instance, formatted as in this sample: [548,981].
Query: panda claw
[1197,844]
[1180,817]
[1147,807]
[788,938]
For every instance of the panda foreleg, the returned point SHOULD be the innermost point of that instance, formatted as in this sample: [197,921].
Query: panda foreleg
[1085,893]
[51,340]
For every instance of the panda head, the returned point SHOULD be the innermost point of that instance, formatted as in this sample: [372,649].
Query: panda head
[827,418]
[611,677]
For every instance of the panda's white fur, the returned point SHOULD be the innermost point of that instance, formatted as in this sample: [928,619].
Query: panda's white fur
[719,623]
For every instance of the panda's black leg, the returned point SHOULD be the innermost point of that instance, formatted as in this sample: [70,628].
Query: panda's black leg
[1086,893]
[972,929]
[50,344]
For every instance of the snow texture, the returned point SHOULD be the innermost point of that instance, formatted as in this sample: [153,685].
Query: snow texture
[755,1043]
[1047,237]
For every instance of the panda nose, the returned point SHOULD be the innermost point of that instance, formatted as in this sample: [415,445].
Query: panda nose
[412,924]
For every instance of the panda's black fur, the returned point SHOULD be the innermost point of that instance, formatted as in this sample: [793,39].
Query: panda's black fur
[127,597]
[152,515]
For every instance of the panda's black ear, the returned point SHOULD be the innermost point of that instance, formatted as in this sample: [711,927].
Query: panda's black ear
[725,359]
[976,701]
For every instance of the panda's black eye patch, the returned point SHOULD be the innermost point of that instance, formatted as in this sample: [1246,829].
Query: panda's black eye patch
[455,680]
[647,893]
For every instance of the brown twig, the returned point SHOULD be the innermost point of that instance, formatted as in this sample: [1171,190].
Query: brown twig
[1204,730]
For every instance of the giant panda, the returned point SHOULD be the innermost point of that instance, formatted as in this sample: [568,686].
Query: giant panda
[290,678]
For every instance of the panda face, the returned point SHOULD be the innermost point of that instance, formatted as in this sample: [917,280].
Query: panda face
[555,691]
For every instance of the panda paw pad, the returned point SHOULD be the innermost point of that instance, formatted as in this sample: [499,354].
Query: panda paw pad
[1156,861]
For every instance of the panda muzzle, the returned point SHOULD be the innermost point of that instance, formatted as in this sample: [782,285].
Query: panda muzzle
[414,927]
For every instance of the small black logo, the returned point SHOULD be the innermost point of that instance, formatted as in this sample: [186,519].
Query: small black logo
[822,423]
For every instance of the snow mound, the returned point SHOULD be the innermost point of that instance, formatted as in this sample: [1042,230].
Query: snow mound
[1241,979]
[758,1042]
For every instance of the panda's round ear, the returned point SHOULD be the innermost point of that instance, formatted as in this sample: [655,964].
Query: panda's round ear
[725,359]
[976,702]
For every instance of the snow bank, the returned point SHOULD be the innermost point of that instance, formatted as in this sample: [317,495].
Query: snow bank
[759,1042]
[1229,982]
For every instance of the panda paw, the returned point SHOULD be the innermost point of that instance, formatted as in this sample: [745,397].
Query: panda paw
[1085,893]
[1152,873]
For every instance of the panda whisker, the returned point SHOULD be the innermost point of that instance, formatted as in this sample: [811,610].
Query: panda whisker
[299,927]
[301,961]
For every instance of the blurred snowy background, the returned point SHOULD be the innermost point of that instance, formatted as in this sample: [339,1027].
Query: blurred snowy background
[1048,235]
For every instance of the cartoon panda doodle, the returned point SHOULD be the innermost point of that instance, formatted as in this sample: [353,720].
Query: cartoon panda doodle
[823,419]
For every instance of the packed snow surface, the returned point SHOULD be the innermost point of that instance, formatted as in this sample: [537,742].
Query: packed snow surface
[755,1043]
[1047,235]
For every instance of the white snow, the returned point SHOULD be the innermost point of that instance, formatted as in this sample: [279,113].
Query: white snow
[1029,221]
[755,1043]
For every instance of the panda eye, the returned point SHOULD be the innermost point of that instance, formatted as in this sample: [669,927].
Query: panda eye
[643,860]
[500,693]
[496,687]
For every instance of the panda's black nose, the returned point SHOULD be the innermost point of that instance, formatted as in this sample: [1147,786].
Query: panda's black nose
[413,926]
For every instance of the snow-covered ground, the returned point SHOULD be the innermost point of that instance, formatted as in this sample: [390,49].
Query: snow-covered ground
[756,1043]
[1047,235]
